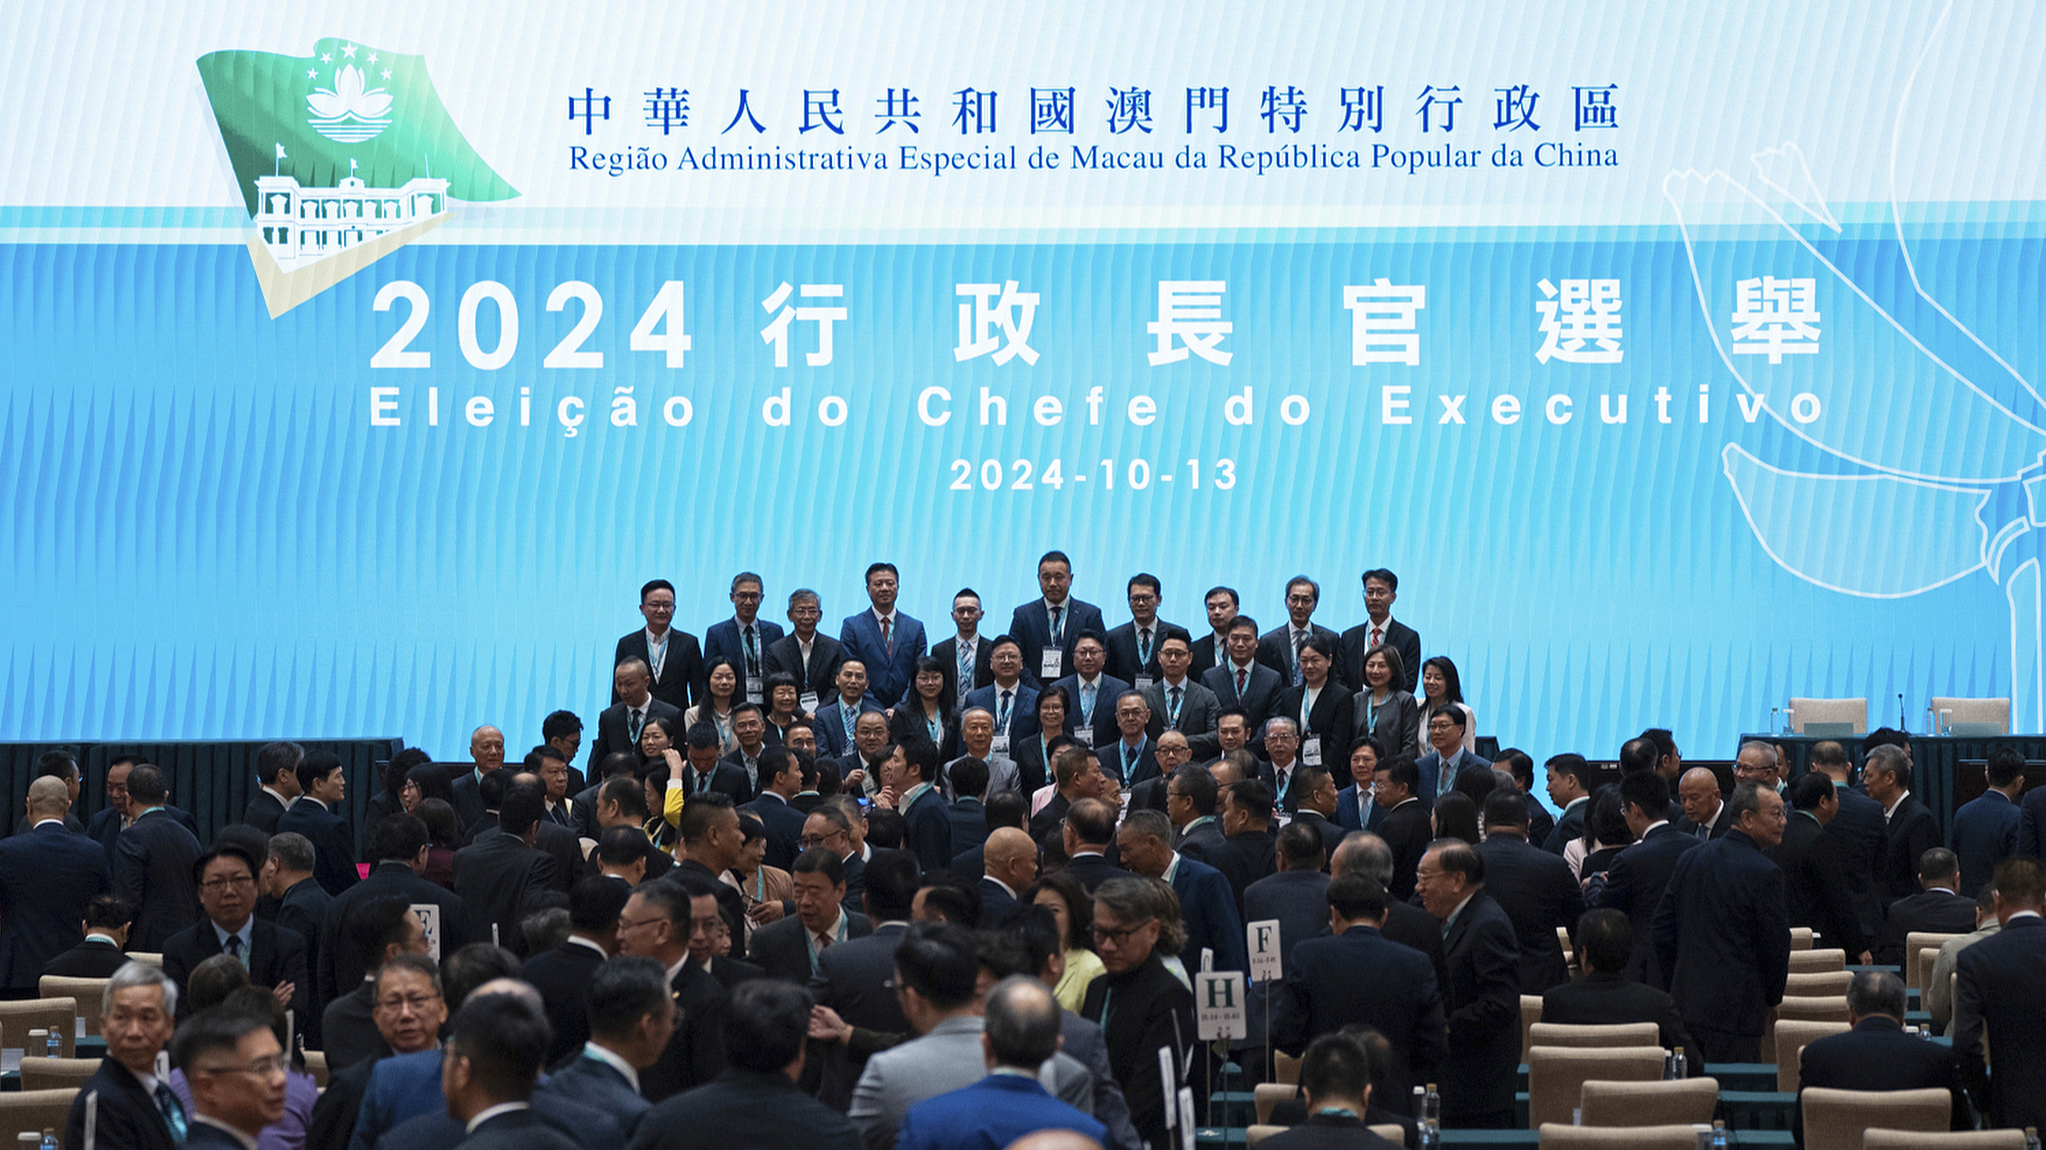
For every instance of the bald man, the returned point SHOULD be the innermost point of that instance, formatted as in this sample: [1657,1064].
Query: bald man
[486,750]
[1705,813]
[1009,865]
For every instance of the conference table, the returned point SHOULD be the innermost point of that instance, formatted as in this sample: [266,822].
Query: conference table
[1937,777]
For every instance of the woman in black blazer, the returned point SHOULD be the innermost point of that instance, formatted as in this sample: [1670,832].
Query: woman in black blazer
[924,713]
[1325,730]
[1382,708]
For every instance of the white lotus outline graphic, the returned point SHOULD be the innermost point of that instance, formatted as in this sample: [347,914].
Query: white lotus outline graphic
[351,111]
[1976,511]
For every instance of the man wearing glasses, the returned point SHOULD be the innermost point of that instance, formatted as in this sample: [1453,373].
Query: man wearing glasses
[408,1014]
[236,1071]
[745,637]
[274,955]
[679,675]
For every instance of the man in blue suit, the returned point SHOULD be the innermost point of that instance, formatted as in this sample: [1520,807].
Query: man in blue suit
[1440,767]
[744,638]
[1206,903]
[1010,698]
[1354,809]
[1986,828]
[1722,930]
[1021,1035]
[47,877]
[1045,628]
[888,641]
[105,827]
[837,720]
[911,773]
[322,787]
[1092,690]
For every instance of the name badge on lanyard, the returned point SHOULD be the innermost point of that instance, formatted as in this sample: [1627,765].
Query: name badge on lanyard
[1001,744]
[1310,751]
[1051,663]
[808,702]
[1145,683]
[753,689]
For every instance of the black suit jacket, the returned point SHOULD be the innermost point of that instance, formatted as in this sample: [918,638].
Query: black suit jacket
[748,776]
[46,878]
[89,959]
[927,832]
[1045,823]
[780,950]
[819,674]
[1243,859]
[783,825]
[468,798]
[1030,626]
[1322,994]
[349,1028]
[742,1108]
[598,1083]
[275,955]
[996,904]
[1859,830]
[1260,691]
[1878,1055]
[333,842]
[1207,653]
[1538,894]
[968,819]
[1331,832]
[262,812]
[695,1053]
[1121,642]
[1911,833]
[1091,870]
[1483,1007]
[1815,885]
[1275,648]
[1722,935]
[153,871]
[105,829]
[333,1119]
[493,876]
[1937,911]
[339,957]
[947,655]
[1411,926]
[520,1129]
[1634,884]
[562,976]
[1143,765]
[124,1114]
[851,979]
[1604,999]
[561,845]
[304,909]
[1356,643]
[2001,990]
[1407,829]
[1332,1132]
[614,729]
[683,679]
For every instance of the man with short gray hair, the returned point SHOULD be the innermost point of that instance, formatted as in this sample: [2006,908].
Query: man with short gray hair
[124,1102]
[1876,1054]
[1021,1035]
[1911,828]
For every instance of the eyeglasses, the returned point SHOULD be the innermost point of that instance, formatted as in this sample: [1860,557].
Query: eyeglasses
[1120,935]
[660,608]
[808,841]
[261,1067]
[237,881]
[416,1003]
[624,923]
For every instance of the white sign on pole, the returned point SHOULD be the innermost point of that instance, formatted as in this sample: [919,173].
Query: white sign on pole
[1218,1004]
[429,917]
[1168,1075]
[1262,940]
[1186,1118]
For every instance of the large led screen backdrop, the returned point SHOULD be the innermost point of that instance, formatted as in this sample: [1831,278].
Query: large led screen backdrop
[363,360]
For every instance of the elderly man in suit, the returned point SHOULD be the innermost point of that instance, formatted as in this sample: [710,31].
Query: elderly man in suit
[673,657]
[1093,691]
[790,947]
[1045,628]
[153,867]
[1912,830]
[1936,908]
[1483,999]
[47,878]
[1535,888]
[1241,681]
[806,655]
[1207,907]
[275,957]
[1876,1054]
[1722,930]
[1606,997]
[129,1106]
[1296,897]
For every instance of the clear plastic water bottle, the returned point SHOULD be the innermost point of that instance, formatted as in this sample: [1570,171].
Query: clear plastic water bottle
[1431,1117]
[2031,1138]
[1680,1064]
[56,1044]
[49,1139]
[1719,1135]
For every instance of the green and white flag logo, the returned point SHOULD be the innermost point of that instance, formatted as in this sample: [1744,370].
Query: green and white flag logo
[342,157]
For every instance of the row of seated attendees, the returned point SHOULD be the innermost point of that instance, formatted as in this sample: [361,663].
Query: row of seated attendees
[881,894]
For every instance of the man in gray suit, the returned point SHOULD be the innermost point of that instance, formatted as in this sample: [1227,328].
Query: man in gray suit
[936,975]
[1179,703]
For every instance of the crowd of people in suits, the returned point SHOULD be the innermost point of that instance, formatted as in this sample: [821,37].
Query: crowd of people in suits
[874,892]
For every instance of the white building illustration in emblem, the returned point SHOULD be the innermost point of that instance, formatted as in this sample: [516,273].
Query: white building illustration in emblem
[300,224]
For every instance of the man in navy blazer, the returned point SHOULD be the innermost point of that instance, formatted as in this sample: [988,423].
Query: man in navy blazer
[1603,997]
[672,654]
[745,637]
[1379,629]
[911,773]
[1441,767]
[1133,647]
[1279,648]
[2001,992]
[1860,830]
[1877,1054]
[1242,682]
[782,778]
[1021,1034]
[1052,622]
[1722,931]
[153,865]
[1297,897]
[106,826]
[1401,1001]
[1089,657]
[1536,889]
[1206,904]
[47,877]
[1986,827]
[1015,716]
[1637,878]
[888,641]
[323,786]
[852,699]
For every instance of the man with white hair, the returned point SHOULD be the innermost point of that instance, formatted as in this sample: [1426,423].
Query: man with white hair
[124,1103]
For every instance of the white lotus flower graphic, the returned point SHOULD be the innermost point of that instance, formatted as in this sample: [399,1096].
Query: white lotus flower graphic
[351,111]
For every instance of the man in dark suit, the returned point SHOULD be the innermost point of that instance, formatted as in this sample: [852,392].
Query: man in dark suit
[1448,761]
[153,864]
[121,811]
[1366,854]
[1134,647]
[493,1062]
[410,984]
[1008,867]
[1605,997]
[632,1014]
[911,774]
[1636,880]
[1192,802]
[966,655]
[563,975]
[619,725]
[1986,827]
[1132,757]
[1052,622]
[287,877]
[2000,992]
[1936,908]
[486,752]
[967,816]
[125,1113]
[755,1103]
[1860,830]
[783,775]
[1246,853]
[744,638]
[1010,698]
[1379,629]
[1911,832]
[1180,702]
[657,923]
[1706,814]
[275,957]
[852,978]
[1076,774]
[808,657]
[1877,1054]
[837,722]
[1315,790]
[1722,931]
[323,785]
[1815,885]
[1211,647]
[277,785]
[1323,993]
[1540,822]
[1279,648]
[1242,681]
[672,655]
[1338,1107]
[1092,691]
[1569,786]
[1207,907]
[1088,832]
[1296,897]
[48,877]
[1535,888]
[887,640]
[1407,827]
[377,930]
[62,766]
[100,955]
[788,947]
[494,874]
[749,730]
[399,846]
[1483,1002]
